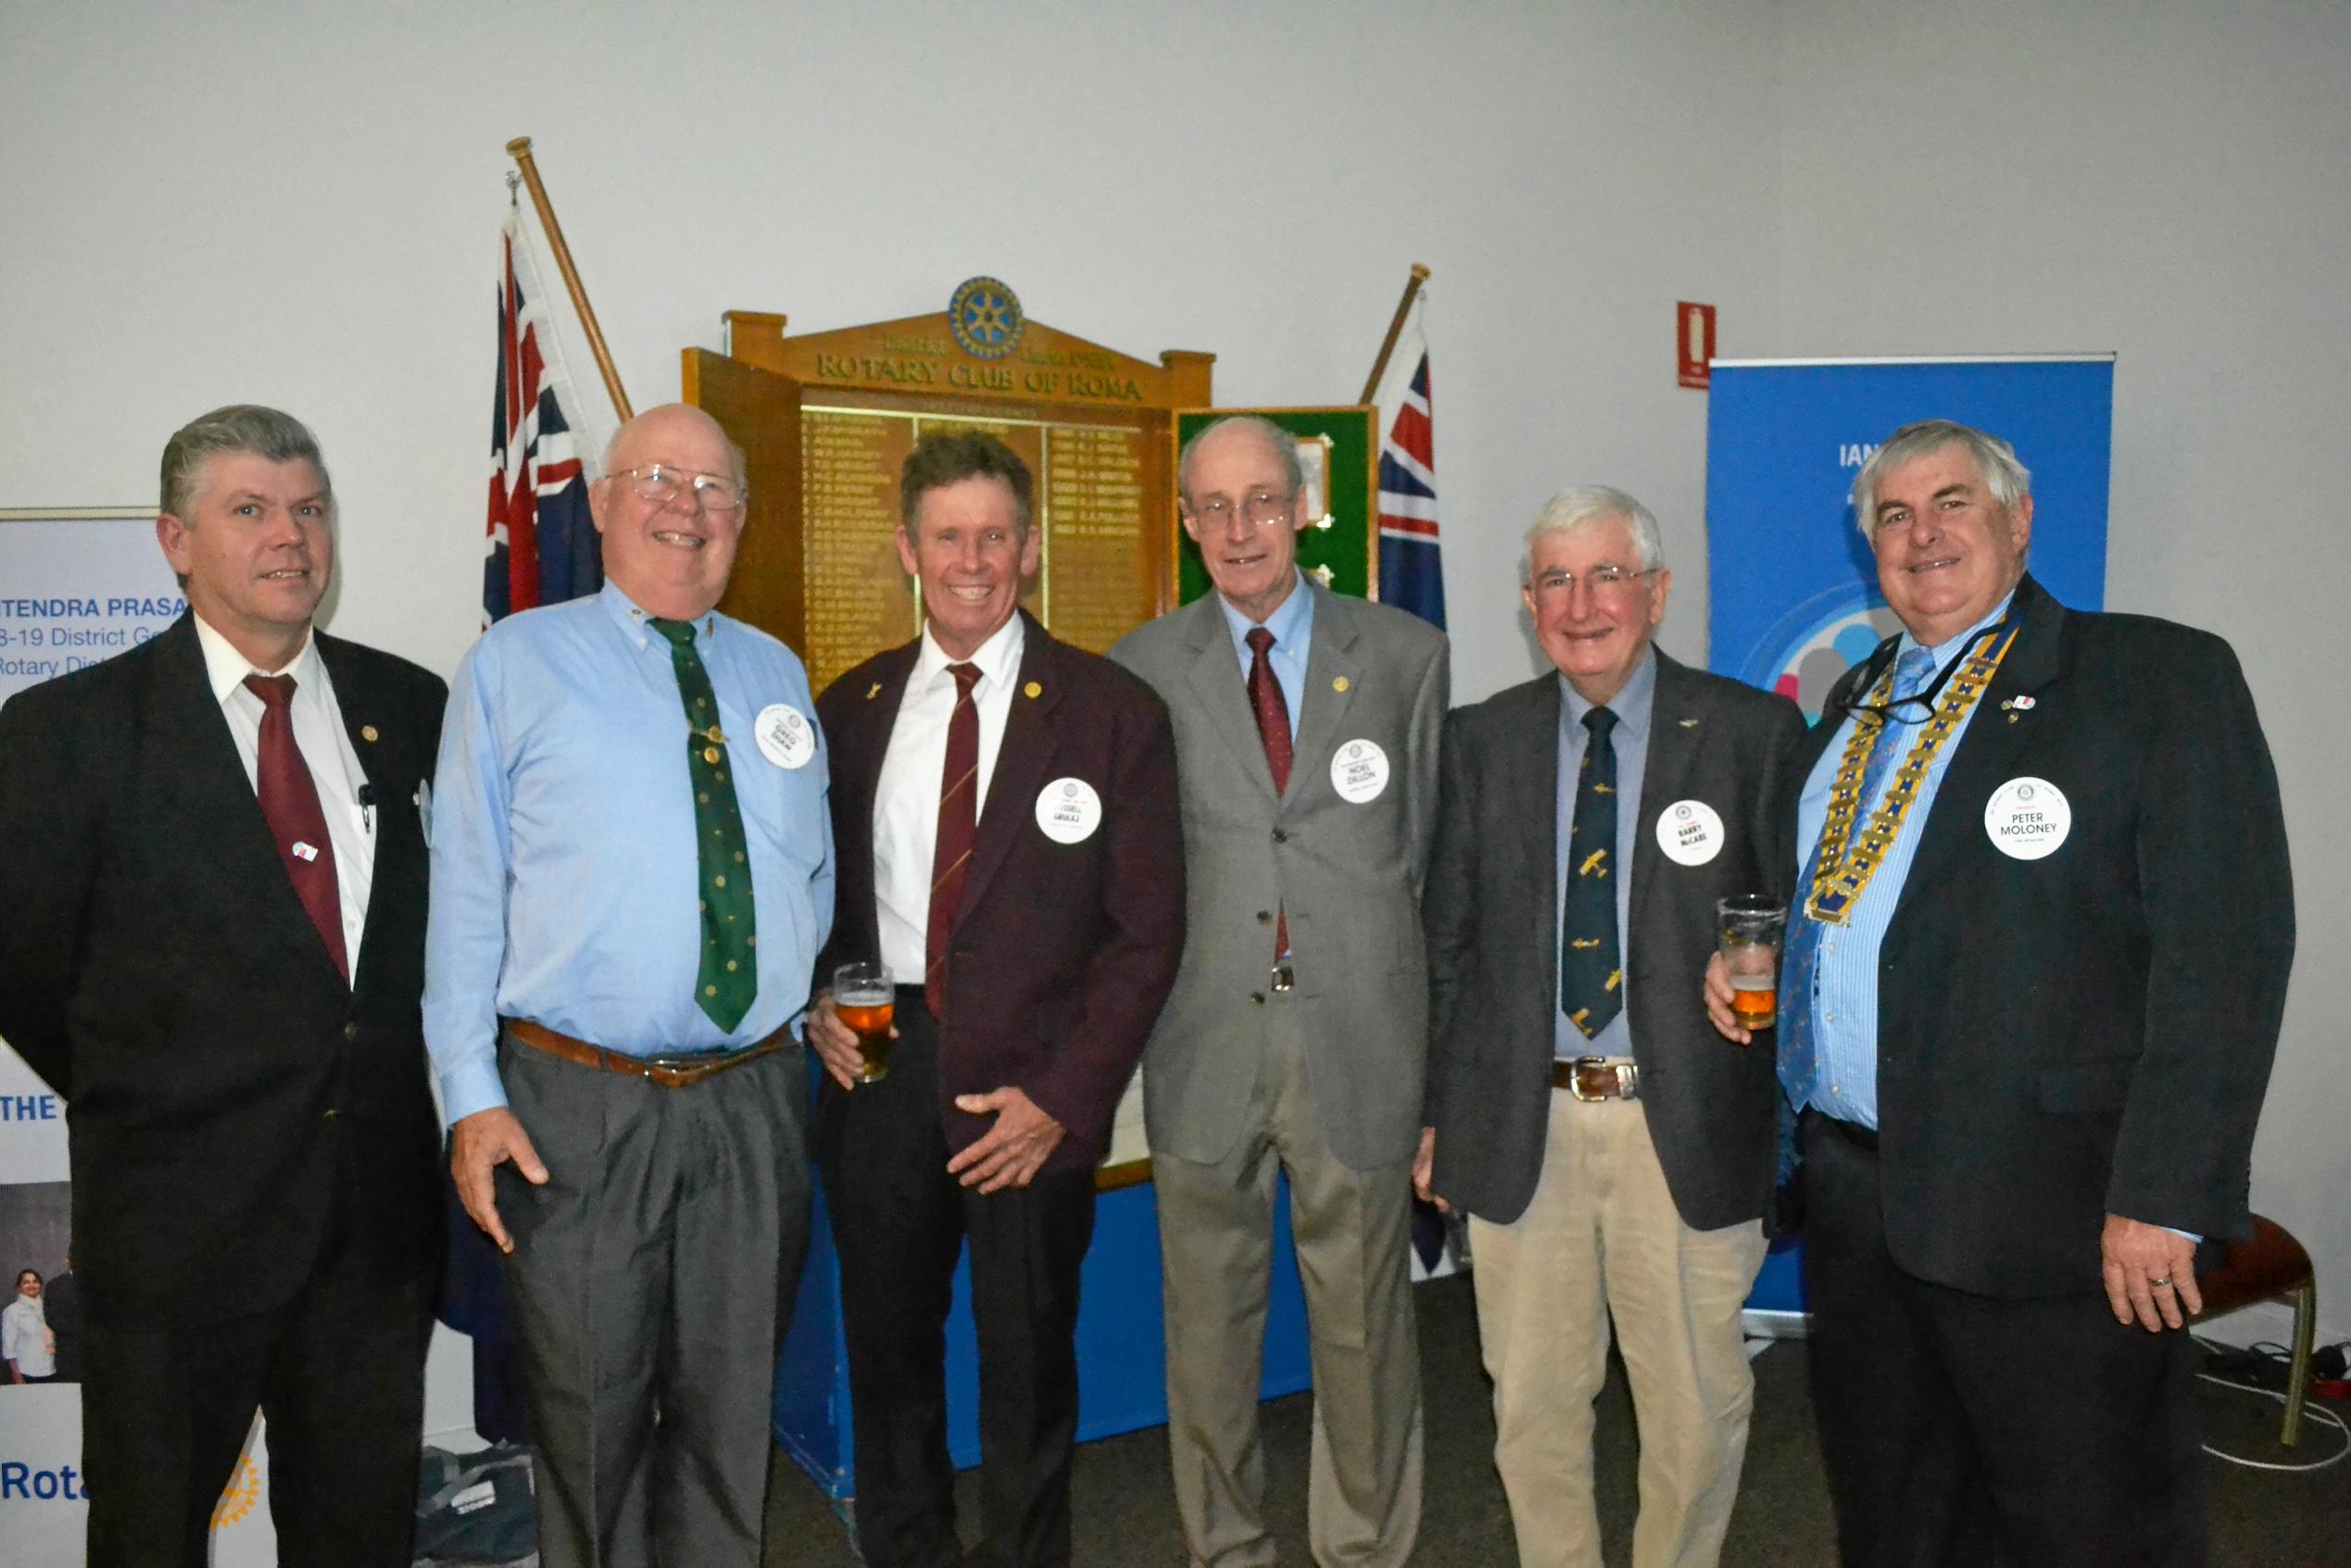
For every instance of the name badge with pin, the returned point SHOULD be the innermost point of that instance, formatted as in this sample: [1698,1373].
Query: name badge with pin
[1359,772]
[1689,832]
[1068,811]
[784,736]
[2028,819]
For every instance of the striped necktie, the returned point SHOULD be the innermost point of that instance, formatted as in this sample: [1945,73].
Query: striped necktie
[958,825]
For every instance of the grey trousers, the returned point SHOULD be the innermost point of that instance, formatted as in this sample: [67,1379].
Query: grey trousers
[1217,1242]
[652,1279]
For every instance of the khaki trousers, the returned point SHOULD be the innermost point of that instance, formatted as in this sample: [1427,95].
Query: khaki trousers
[1602,1239]
[1353,1230]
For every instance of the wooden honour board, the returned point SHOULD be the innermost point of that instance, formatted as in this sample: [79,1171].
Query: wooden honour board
[825,419]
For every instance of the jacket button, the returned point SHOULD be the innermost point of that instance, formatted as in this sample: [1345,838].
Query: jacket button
[351,1031]
[1280,836]
[1258,997]
[331,1115]
[1265,917]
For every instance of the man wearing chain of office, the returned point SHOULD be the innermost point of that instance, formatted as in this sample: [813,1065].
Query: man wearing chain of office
[2028,1009]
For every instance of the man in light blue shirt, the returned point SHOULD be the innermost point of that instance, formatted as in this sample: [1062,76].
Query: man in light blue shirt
[631,873]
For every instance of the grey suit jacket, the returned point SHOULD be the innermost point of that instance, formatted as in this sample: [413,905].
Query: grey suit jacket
[1493,938]
[1350,876]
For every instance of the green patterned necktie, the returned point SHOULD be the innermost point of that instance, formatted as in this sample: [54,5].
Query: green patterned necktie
[730,931]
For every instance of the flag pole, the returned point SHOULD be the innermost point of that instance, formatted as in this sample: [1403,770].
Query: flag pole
[1388,345]
[521,149]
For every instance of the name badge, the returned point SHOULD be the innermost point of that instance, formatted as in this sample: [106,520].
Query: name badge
[1068,811]
[784,736]
[2027,819]
[1359,772]
[1689,832]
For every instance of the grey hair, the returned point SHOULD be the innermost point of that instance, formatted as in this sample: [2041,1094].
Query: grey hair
[1586,506]
[1284,443]
[240,427]
[2008,480]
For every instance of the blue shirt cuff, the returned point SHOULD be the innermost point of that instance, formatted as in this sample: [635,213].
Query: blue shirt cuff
[472,1088]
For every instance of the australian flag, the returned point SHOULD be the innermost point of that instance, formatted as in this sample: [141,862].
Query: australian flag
[1410,575]
[542,546]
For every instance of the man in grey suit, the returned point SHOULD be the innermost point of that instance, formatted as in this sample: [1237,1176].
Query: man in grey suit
[1614,1153]
[1306,736]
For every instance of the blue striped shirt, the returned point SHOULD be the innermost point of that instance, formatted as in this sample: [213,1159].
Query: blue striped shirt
[564,861]
[1844,998]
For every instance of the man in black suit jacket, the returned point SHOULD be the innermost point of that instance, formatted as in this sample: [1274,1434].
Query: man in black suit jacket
[228,998]
[2074,939]
[1030,969]
[1614,1156]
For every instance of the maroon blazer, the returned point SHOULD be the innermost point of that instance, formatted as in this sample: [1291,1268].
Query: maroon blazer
[1061,954]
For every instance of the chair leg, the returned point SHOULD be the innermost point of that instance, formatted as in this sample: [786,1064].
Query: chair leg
[2306,1329]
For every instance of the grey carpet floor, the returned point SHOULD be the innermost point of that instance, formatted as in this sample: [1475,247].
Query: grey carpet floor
[1124,1511]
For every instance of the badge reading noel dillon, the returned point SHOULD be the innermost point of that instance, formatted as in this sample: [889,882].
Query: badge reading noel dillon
[1359,772]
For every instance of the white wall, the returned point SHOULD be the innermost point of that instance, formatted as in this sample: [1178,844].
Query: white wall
[2172,182]
[297,204]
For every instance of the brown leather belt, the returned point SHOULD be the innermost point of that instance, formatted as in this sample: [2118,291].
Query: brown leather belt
[1595,1077]
[670,1071]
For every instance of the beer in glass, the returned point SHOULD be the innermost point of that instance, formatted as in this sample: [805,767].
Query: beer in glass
[865,998]
[1751,928]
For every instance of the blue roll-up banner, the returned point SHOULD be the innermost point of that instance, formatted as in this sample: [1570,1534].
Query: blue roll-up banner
[1793,595]
[1791,587]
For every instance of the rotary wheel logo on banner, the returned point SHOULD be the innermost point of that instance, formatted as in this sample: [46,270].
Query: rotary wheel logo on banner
[242,1493]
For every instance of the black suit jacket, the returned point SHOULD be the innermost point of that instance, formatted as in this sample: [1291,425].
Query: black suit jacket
[1061,954]
[2090,1033]
[1492,918]
[229,1098]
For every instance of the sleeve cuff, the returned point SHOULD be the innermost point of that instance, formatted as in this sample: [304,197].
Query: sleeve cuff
[472,1088]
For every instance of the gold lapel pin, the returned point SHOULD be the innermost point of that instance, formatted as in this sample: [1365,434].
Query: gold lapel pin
[1338,683]
[366,733]
[1032,690]
[872,691]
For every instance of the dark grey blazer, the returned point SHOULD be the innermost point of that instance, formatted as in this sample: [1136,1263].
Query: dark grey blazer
[1493,943]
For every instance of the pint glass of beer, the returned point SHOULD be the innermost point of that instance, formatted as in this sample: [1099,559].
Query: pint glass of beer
[1751,928]
[863,996]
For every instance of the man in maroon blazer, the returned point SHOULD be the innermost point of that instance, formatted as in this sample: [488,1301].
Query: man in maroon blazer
[1005,815]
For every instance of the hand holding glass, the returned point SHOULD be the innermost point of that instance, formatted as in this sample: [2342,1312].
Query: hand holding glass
[1751,929]
[865,998]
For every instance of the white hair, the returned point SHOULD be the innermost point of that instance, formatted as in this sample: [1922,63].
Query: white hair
[1586,507]
[2008,480]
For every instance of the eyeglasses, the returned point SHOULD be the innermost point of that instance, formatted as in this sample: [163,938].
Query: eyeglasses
[1557,585]
[660,485]
[1260,508]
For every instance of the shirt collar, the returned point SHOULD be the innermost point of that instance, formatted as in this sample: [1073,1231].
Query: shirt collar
[1630,705]
[635,619]
[1288,623]
[998,658]
[1943,650]
[226,668]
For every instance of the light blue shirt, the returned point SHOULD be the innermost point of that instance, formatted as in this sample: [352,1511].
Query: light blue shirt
[1293,628]
[1631,705]
[564,864]
[1844,998]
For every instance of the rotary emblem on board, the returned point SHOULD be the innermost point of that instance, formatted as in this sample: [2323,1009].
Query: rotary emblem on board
[985,316]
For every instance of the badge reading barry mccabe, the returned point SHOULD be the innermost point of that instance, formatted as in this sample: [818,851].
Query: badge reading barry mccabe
[984,317]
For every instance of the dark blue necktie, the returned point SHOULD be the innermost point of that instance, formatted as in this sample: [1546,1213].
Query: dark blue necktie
[1591,976]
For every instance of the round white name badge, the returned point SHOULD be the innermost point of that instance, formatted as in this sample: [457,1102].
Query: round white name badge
[786,736]
[1068,811]
[2027,819]
[1359,772]
[1689,832]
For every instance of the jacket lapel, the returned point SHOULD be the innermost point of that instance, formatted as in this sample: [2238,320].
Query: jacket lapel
[1021,761]
[1532,792]
[1333,675]
[1223,691]
[1677,731]
[1990,752]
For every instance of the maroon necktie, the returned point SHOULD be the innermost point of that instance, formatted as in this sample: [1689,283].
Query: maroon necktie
[1272,729]
[290,803]
[958,821]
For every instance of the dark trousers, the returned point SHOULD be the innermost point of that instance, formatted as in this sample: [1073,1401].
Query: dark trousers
[898,1221]
[1950,1421]
[651,1281]
[339,1373]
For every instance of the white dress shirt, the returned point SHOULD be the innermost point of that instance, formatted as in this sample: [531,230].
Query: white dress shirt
[325,744]
[905,796]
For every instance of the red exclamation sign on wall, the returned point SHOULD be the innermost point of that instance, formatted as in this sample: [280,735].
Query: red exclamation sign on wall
[1693,342]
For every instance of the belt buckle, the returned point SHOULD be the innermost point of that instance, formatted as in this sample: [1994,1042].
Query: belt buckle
[1576,1078]
[1627,1074]
[1283,979]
